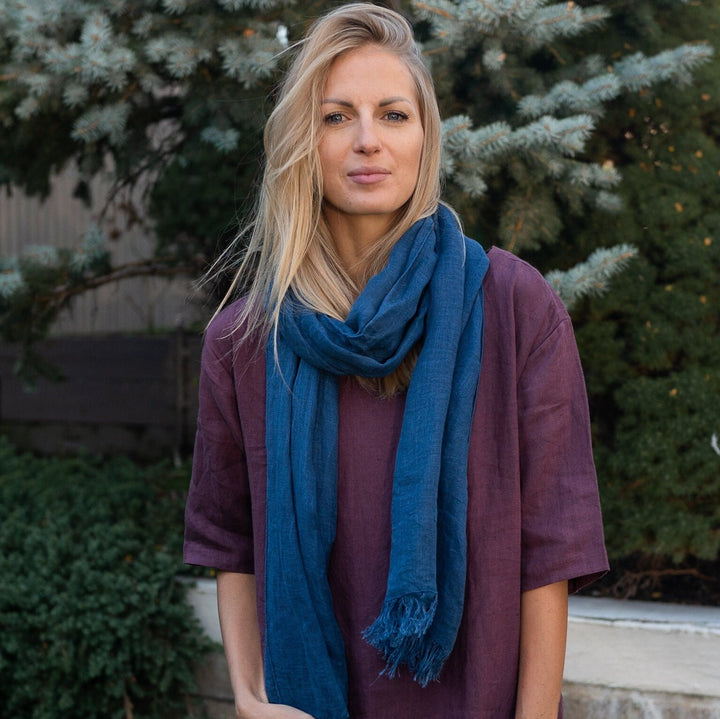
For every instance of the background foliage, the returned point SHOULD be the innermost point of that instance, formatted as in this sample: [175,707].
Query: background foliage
[547,106]
[650,347]
[93,622]
[169,98]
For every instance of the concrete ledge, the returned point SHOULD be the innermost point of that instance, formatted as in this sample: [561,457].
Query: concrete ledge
[625,659]
[212,676]
[644,646]
[202,596]
[582,701]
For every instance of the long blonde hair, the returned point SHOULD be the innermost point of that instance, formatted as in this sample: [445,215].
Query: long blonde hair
[289,246]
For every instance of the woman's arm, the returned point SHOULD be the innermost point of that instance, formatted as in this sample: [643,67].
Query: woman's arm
[241,640]
[543,633]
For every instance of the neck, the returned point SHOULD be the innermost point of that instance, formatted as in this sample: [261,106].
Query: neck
[354,236]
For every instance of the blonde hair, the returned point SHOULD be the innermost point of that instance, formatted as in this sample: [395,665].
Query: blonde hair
[289,247]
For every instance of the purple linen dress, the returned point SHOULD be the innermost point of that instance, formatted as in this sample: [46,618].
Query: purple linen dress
[533,512]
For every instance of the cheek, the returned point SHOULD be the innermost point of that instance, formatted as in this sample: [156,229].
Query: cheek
[331,172]
[329,155]
[324,167]
[414,156]
[328,176]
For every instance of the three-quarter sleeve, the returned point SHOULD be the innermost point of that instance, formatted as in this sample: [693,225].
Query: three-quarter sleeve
[218,517]
[562,534]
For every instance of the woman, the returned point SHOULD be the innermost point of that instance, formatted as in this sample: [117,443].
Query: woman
[393,473]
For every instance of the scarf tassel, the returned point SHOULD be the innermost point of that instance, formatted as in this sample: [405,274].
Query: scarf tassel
[399,633]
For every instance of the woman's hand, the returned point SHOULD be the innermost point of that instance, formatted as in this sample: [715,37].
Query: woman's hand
[263,710]
[237,610]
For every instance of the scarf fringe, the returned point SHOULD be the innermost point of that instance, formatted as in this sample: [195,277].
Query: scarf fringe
[399,634]
[428,664]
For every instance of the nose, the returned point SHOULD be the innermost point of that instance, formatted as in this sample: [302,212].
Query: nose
[367,140]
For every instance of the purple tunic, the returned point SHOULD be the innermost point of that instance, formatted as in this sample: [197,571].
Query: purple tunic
[533,509]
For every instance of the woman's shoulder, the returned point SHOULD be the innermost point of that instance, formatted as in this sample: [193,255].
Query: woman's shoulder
[515,281]
[225,322]
[227,333]
[521,306]
[510,270]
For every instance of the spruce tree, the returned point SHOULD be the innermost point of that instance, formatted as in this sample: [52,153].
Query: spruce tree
[172,95]
[650,346]
[166,99]
[517,155]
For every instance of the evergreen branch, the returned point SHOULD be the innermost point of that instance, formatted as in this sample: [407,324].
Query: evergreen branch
[514,8]
[564,19]
[638,71]
[529,217]
[142,268]
[492,10]
[493,140]
[465,124]
[572,14]
[592,276]
[519,224]
[459,138]
[568,96]
[434,10]
[145,171]
[555,20]
[567,135]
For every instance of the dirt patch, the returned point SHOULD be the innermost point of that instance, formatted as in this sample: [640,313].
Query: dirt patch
[655,579]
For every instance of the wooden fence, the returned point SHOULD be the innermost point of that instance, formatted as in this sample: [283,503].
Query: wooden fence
[131,394]
[134,305]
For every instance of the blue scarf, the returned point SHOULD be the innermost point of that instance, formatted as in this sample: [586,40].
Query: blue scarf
[430,290]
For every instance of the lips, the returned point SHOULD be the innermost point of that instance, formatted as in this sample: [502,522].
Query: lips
[368,175]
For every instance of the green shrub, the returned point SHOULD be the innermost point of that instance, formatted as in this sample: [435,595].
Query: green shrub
[93,622]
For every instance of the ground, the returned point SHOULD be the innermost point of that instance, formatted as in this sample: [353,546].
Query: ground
[652,579]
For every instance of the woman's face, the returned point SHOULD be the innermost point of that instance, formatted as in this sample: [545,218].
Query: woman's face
[372,136]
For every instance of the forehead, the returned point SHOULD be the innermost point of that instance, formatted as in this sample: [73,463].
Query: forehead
[370,72]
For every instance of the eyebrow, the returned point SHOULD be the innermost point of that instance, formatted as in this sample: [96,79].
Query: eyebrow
[383,103]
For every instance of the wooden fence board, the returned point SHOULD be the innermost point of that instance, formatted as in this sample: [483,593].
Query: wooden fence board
[147,382]
[137,304]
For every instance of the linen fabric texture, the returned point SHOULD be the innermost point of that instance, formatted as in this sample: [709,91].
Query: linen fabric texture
[431,292]
[533,513]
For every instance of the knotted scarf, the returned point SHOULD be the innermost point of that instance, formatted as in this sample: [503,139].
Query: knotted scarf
[430,290]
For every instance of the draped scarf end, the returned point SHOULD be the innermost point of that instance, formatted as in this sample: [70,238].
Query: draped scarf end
[399,633]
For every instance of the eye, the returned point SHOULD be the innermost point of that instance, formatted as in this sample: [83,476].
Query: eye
[395,116]
[333,118]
